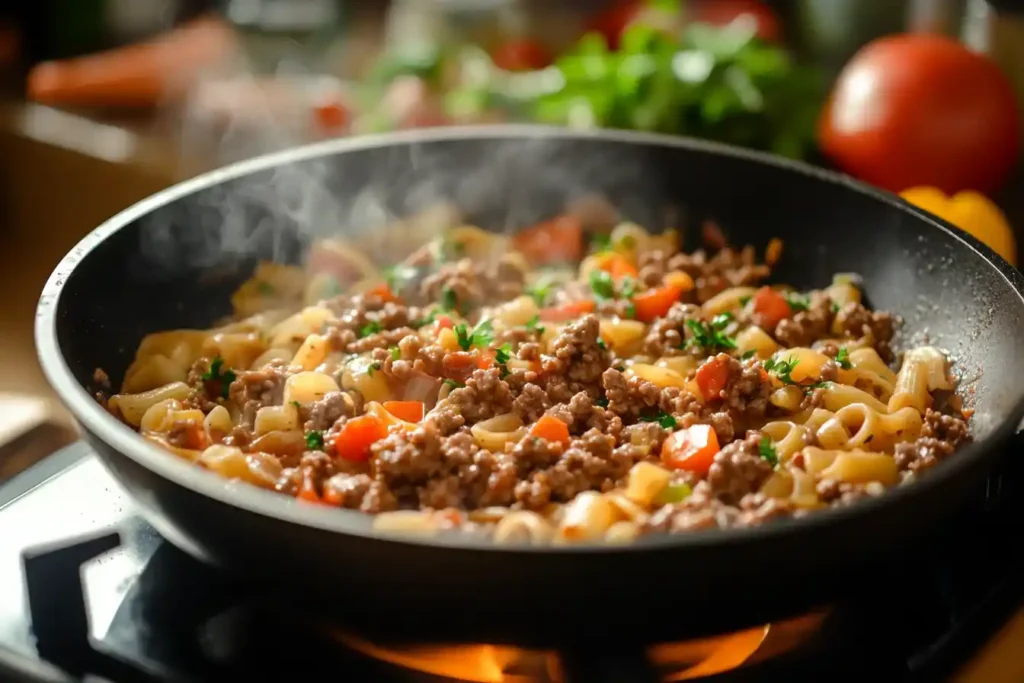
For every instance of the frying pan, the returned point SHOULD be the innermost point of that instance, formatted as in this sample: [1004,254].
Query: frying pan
[172,260]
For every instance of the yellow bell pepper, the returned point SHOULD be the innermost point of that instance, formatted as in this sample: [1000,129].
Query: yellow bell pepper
[972,212]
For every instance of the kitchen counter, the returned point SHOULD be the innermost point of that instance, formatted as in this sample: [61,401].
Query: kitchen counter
[54,188]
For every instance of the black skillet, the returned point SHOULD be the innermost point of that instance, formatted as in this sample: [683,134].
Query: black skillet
[172,260]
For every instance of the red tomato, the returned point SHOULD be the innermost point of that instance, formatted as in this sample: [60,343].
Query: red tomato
[920,109]
[722,12]
[613,21]
[521,55]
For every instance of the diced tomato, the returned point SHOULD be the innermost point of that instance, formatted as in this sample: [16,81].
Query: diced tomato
[357,435]
[692,449]
[194,436]
[443,322]
[410,411]
[771,307]
[332,116]
[550,428]
[385,293]
[712,376]
[307,491]
[521,55]
[557,240]
[655,303]
[616,265]
[569,311]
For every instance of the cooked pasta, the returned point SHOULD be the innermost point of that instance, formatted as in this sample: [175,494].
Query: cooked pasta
[538,392]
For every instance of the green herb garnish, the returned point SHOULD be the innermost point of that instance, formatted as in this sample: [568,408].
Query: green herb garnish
[265,288]
[372,367]
[781,369]
[453,384]
[603,402]
[710,335]
[627,287]
[601,284]
[315,441]
[673,493]
[396,353]
[449,300]
[630,310]
[534,325]
[217,373]
[662,418]
[481,336]
[297,405]
[502,356]
[767,450]
[835,307]
[843,359]
[744,300]
[797,302]
[601,344]
[372,327]
[600,243]
[748,354]
[397,276]
[540,290]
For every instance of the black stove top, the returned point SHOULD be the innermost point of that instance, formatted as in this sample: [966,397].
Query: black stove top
[89,591]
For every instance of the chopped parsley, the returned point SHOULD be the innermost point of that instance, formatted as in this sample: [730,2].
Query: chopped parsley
[627,242]
[449,300]
[502,356]
[217,373]
[843,359]
[744,300]
[603,402]
[710,335]
[397,276]
[481,336]
[797,302]
[431,316]
[396,353]
[767,451]
[601,344]
[662,418]
[540,290]
[781,369]
[372,367]
[296,404]
[748,354]
[673,493]
[835,307]
[265,288]
[627,288]
[601,284]
[630,310]
[534,325]
[372,327]
[453,384]
[315,440]
[600,242]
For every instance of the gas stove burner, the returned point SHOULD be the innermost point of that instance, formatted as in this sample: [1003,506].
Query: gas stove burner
[683,661]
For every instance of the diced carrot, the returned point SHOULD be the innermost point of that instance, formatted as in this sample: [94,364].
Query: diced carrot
[385,293]
[307,492]
[461,360]
[443,322]
[692,449]
[771,307]
[712,376]
[655,303]
[357,435]
[410,411]
[968,413]
[550,428]
[555,240]
[569,311]
[332,497]
[616,265]
[773,252]
[681,280]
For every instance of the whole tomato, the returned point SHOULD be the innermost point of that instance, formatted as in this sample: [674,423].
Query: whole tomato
[921,109]
[521,55]
[722,13]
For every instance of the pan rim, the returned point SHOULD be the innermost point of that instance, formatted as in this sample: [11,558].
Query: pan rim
[95,420]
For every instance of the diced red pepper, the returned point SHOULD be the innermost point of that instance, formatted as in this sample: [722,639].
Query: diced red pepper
[357,435]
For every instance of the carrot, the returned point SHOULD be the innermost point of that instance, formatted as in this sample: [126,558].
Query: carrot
[355,438]
[550,428]
[680,279]
[461,360]
[712,376]
[332,497]
[569,311]
[771,307]
[307,492]
[410,411]
[692,449]
[140,75]
[559,239]
[773,253]
[654,303]
[443,322]
[616,265]
[385,293]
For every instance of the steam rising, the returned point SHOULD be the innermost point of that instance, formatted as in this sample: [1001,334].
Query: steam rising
[368,197]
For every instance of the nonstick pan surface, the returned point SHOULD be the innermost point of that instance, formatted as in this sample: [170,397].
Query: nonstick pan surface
[172,260]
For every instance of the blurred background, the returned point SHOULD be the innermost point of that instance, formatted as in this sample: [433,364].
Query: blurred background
[103,102]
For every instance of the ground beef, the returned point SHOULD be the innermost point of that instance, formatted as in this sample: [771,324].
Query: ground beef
[805,327]
[473,284]
[757,509]
[648,435]
[321,415]
[653,265]
[203,393]
[485,395]
[746,389]
[254,389]
[667,335]
[738,469]
[940,436]
[858,322]
[578,354]
[839,493]
[384,339]
[698,512]
[629,396]
[727,268]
